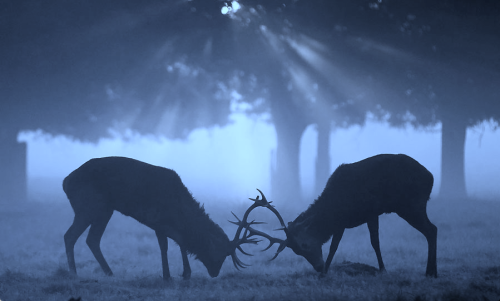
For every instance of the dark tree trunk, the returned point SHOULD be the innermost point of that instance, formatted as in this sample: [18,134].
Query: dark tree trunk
[12,168]
[285,179]
[289,124]
[453,157]
[323,156]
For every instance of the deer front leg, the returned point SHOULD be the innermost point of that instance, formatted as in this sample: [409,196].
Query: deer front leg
[163,242]
[337,236]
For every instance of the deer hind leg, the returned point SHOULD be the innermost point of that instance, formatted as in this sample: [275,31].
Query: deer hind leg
[163,242]
[419,220]
[97,227]
[80,223]
[374,239]
[186,274]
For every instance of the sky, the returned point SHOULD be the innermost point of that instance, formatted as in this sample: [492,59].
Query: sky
[229,163]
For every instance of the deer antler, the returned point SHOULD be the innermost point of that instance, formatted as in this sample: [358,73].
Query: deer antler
[268,205]
[249,231]
[272,240]
[237,241]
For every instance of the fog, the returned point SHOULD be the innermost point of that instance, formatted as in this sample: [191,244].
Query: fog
[243,95]
[229,163]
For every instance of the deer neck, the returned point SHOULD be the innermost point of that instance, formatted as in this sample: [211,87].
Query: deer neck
[316,222]
[201,232]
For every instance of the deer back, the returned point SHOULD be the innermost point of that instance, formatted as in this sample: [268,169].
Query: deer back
[380,184]
[150,194]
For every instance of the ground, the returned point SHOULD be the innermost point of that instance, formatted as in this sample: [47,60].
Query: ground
[33,263]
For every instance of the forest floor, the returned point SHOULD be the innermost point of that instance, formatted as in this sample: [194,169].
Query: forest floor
[33,263]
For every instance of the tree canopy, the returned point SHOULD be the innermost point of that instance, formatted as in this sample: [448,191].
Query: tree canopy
[81,68]
[167,67]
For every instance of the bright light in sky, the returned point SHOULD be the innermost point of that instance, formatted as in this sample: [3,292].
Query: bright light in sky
[226,9]
[236,6]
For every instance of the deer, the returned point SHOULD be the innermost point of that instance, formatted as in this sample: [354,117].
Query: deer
[154,196]
[356,194]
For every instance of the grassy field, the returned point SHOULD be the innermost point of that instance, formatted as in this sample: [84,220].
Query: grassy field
[33,262]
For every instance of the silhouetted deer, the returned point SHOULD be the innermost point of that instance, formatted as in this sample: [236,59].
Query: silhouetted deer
[154,196]
[355,194]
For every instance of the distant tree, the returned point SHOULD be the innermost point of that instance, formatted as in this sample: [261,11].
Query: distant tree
[292,57]
[166,67]
[81,68]
[465,72]
[47,82]
[432,62]
[419,62]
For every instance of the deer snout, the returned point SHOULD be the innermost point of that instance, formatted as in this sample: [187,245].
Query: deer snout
[315,258]
[319,267]
[317,263]
[213,274]
[214,269]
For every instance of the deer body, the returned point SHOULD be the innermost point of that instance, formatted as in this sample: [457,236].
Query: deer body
[356,194]
[154,196]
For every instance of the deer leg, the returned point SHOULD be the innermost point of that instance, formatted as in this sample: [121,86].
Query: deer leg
[163,242]
[421,222]
[94,238]
[186,274]
[374,239]
[74,232]
[337,236]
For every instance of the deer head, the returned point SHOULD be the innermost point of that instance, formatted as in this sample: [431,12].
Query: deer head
[298,236]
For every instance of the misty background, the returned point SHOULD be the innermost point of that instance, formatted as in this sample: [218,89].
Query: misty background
[214,171]
[251,94]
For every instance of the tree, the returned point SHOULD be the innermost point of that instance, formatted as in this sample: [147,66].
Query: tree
[79,69]
[41,87]
[305,82]
[422,62]
[440,60]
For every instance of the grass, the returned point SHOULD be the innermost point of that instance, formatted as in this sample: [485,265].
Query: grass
[33,262]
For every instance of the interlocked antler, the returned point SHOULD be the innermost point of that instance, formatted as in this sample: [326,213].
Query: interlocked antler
[237,241]
[249,231]
[272,240]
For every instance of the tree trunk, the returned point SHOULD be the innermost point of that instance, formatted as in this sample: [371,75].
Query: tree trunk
[289,125]
[285,180]
[322,157]
[453,134]
[12,168]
